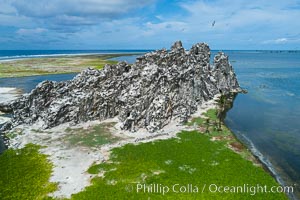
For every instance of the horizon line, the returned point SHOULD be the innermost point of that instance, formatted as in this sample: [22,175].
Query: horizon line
[143,49]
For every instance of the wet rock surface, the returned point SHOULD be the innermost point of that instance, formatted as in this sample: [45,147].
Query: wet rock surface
[161,86]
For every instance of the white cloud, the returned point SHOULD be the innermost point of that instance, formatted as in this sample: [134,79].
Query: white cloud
[47,8]
[6,7]
[124,24]
[56,14]
[30,32]
[236,14]
[13,20]
[281,41]
[237,21]
[168,26]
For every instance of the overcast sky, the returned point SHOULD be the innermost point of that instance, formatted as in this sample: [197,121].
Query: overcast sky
[149,24]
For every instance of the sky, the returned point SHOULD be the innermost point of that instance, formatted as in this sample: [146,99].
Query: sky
[149,24]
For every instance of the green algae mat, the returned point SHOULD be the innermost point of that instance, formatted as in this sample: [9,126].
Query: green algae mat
[24,174]
[188,167]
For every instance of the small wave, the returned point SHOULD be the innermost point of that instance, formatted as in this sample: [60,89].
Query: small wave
[263,159]
[290,94]
[7,89]
[19,57]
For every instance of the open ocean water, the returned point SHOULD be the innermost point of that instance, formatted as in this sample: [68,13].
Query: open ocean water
[267,119]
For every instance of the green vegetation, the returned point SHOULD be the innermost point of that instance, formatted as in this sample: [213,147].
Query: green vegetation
[199,121]
[92,137]
[25,174]
[211,114]
[14,134]
[95,169]
[54,65]
[210,125]
[192,158]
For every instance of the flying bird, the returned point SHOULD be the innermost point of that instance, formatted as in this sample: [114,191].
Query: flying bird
[213,24]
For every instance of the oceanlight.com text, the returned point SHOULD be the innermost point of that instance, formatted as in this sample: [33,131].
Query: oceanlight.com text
[250,189]
[207,188]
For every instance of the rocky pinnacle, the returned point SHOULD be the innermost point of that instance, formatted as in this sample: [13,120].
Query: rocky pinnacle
[159,87]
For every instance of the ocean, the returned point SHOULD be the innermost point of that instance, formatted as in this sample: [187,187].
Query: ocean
[266,119]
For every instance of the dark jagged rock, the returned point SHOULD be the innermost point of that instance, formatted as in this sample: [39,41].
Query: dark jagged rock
[160,86]
[5,107]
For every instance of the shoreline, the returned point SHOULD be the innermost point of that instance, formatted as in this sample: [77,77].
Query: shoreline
[261,159]
[44,74]
[266,164]
[24,57]
[64,64]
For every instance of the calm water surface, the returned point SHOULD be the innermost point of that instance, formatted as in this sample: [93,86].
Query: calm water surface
[267,118]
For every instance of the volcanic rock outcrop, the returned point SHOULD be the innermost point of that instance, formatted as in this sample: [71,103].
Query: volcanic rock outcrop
[160,86]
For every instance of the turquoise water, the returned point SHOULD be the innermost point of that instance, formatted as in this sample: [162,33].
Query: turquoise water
[267,118]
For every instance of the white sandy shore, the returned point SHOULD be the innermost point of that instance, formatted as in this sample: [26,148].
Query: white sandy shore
[8,94]
[3,119]
[71,163]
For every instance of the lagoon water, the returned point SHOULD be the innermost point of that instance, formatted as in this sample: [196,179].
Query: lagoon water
[267,119]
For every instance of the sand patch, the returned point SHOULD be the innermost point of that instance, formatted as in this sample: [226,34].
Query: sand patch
[8,94]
